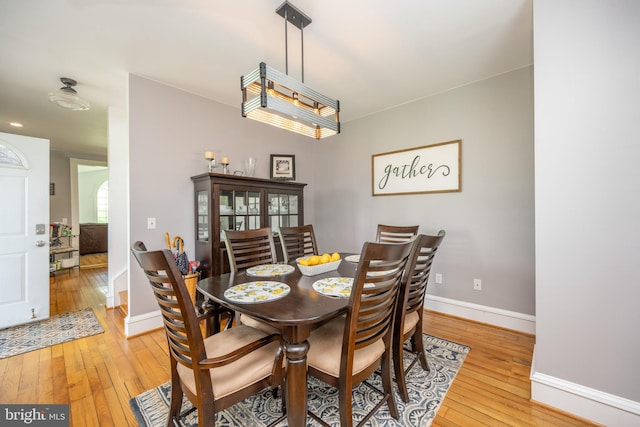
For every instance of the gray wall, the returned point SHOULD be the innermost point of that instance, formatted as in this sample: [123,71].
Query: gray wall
[169,132]
[89,183]
[59,173]
[60,203]
[587,185]
[489,224]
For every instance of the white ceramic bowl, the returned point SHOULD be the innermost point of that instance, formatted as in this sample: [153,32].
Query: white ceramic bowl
[312,270]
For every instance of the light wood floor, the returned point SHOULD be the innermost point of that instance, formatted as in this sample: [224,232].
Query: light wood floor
[93,260]
[98,375]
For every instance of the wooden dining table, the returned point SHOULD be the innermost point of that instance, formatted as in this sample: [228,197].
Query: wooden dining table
[294,315]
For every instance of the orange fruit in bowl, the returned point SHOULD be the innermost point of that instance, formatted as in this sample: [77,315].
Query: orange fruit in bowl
[313,260]
[325,258]
[335,256]
[303,261]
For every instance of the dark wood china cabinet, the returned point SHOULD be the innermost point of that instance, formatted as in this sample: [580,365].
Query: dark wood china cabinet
[231,202]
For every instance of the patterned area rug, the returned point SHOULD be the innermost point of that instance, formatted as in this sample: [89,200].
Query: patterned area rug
[426,393]
[54,330]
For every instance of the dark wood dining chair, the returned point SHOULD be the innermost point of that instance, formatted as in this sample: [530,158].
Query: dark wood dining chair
[298,242]
[214,372]
[409,313]
[247,248]
[345,351]
[396,233]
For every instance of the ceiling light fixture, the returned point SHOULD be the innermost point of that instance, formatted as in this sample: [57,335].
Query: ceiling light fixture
[272,97]
[67,97]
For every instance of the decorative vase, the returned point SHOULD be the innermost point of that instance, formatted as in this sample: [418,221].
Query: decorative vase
[250,166]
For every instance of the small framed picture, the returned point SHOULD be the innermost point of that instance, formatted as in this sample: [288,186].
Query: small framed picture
[283,166]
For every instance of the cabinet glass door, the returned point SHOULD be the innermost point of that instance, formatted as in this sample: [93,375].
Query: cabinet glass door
[203,215]
[283,210]
[239,210]
[253,210]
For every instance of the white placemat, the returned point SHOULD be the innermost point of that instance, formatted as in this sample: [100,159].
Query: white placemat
[356,259]
[380,273]
[261,291]
[334,286]
[269,270]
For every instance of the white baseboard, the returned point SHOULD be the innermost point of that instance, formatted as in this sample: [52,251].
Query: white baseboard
[584,402]
[110,301]
[493,316]
[480,313]
[136,325]
[119,282]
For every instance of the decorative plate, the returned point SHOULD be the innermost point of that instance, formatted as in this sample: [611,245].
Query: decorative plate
[380,273]
[356,259]
[262,291]
[268,270]
[336,286]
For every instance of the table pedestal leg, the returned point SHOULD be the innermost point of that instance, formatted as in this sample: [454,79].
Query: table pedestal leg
[296,383]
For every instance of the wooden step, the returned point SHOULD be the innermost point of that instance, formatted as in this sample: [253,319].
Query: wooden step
[124,300]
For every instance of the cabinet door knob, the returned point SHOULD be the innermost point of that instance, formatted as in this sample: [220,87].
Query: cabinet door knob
[40,243]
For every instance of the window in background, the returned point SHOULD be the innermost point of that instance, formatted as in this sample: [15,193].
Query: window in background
[102,203]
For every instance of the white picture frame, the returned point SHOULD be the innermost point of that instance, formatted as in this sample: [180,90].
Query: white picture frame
[432,168]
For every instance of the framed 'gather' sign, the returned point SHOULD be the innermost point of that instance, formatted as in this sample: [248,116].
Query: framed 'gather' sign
[428,169]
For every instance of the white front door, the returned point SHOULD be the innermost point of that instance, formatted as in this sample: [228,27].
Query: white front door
[24,229]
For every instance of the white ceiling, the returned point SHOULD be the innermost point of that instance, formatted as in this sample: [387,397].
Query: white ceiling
[372,55]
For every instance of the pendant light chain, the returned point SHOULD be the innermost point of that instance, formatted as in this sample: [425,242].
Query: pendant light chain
[286,45]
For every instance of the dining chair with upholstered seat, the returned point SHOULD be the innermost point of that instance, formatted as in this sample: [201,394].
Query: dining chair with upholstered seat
[347,350]
[409,313]
[246,249]
[214,372]
[298,242]
[396,233]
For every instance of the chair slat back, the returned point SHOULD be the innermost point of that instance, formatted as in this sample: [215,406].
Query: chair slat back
[374,293]
[396,233]
[247,248]
[178,313]
[298,242]
[418,271]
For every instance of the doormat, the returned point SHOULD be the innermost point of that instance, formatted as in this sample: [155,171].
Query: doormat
[44,333]
[426,393]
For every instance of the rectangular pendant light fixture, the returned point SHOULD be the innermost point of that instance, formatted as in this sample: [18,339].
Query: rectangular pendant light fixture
[275,98]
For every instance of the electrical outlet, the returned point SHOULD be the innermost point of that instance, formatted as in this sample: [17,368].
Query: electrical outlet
[439,278]
[151,223]
[477,284]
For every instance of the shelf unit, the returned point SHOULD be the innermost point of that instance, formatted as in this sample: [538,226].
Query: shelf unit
[231,202]
[62,253]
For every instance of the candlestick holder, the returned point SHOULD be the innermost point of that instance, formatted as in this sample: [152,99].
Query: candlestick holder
[211,160]
[225,168]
